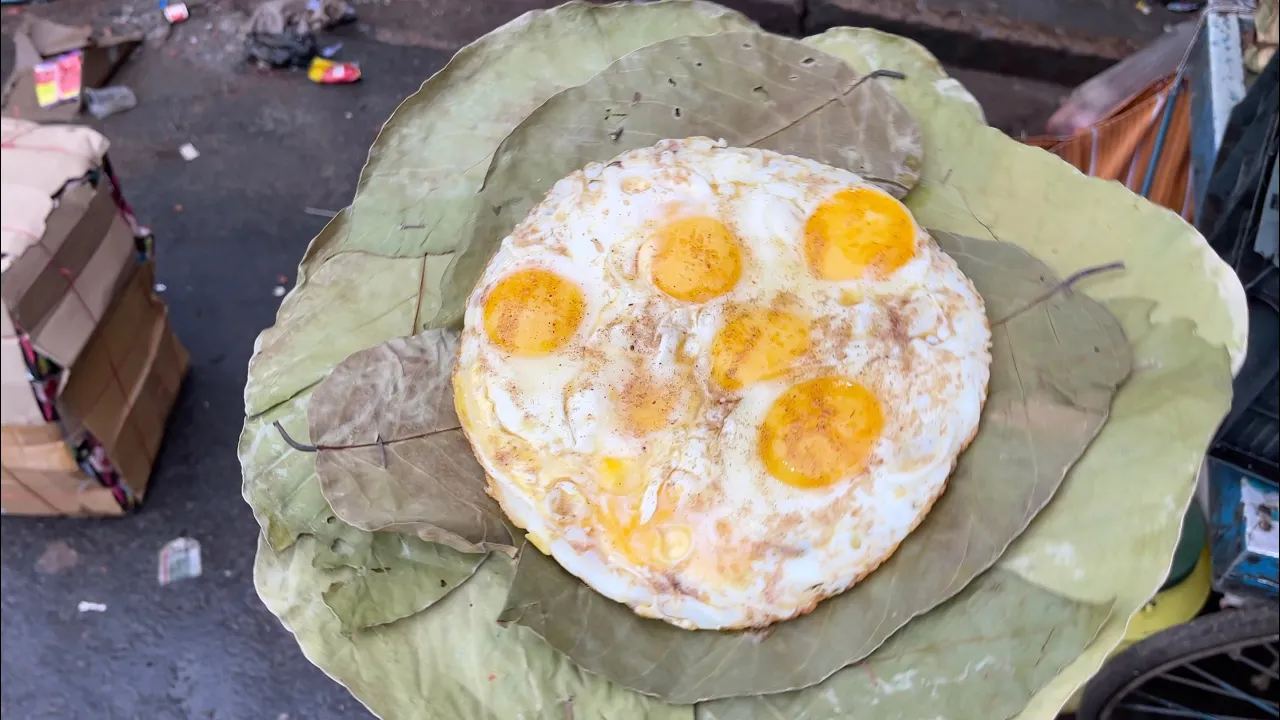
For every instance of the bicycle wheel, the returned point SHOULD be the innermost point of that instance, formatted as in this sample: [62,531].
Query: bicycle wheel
[1222,666]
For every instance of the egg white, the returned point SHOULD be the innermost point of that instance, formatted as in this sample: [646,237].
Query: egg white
[760,550]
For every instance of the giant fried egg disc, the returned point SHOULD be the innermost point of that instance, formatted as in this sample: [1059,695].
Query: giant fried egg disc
[720,384]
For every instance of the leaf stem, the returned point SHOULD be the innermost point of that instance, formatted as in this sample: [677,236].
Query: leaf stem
[1063,286]
[291,442]
[378,442]
[875,74]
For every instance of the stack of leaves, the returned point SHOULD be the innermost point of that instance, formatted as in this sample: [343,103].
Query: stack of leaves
[402,579]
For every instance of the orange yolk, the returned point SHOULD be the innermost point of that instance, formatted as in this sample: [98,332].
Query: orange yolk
[533,312]
[696,259]
[655,543]
[757,345]
[857,231]
[820,431]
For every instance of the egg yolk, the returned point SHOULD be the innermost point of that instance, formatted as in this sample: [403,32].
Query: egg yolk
[655,542]
[756,345]
[820,431]
[619,476]
[856,231]
[696,259]
[533,312]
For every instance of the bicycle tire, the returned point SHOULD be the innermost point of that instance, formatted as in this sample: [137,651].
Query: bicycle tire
[1202,637]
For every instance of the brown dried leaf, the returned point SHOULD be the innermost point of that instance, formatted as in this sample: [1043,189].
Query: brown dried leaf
[391,452]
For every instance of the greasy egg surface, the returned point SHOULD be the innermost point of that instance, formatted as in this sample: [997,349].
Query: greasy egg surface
[720,384]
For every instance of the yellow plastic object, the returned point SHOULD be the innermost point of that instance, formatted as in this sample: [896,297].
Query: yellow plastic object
[1174,606]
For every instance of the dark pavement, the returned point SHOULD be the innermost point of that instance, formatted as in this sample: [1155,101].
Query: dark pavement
[226,225]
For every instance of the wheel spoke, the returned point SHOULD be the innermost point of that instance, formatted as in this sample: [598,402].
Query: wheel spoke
[1269,708]
[1167,712]
[1168,708]
[1272,672]
[1232,693]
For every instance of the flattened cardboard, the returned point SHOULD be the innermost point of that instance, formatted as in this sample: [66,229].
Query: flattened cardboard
[40,477]
[62,334]
[17,498]
[37,162]
[127,380]
[66,257]
[121,389]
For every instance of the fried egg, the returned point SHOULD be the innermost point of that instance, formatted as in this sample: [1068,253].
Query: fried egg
[720,384]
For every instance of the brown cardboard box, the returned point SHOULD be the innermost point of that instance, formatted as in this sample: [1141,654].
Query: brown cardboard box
[67,250]
[36,40]
[39,476]
[121,391]
[73,287]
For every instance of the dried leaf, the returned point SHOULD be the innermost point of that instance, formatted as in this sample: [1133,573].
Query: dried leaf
[393,576]
[346,303]
[388,588]
[451,662]
[392,453]
[1054,370]
[279,483]
[981,655]
[751,89]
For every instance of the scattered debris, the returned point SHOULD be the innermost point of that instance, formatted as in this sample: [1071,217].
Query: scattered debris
[179,560]
[53,63]
[279,291]
[87,606]
[109,100]
[281,33]
[329,51]
[282,279]
[178,208]
[1143,7]
[58,80]
[319,211]
[57,556]
[160,287]
[330,72]
[188,152]
[175,12]
[281,50]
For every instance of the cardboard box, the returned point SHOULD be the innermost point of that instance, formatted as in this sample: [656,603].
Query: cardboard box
[67,250]
[89,366]
[40,477]
[37,41]
[120,391]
